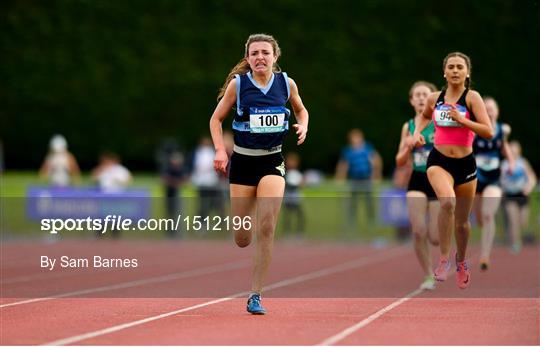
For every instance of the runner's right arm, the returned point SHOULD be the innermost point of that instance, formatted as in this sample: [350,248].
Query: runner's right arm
[405,146]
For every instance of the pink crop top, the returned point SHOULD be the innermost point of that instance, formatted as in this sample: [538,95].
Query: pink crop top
[448,131]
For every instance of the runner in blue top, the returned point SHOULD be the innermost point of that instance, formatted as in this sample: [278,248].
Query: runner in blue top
[421,199]
[489,154]
[360,165]
[259,91]
[517,184]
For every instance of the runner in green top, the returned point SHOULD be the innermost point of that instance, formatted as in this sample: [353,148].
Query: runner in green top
[421,198]
[420,154]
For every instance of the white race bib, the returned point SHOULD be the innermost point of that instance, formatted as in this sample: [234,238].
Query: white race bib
[487,163]
[442,115]
[264,120]
[420,158]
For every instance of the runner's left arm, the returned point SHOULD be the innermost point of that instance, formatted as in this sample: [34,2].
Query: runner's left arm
[300,113]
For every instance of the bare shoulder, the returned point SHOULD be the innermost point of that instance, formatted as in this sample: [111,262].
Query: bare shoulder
[405,127]
[293,88]
[292,83]
[474,100]
[232,83]
[230,91]
[473,95]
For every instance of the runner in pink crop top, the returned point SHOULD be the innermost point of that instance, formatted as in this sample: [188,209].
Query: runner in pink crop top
[447,130]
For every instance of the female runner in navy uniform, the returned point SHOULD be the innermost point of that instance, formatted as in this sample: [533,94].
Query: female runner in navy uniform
[260,91]
[489,154]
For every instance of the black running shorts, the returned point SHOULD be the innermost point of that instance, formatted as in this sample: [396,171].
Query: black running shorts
[248,170]
[419,182]
[463,170]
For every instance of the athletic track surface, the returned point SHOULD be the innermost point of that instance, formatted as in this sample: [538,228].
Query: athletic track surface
[194,293]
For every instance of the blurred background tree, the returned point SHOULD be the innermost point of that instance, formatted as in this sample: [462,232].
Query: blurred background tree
[122,75]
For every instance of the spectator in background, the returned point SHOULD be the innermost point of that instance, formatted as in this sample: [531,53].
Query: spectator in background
[400,180]
[112,177]
[110,174]
[172,171]
[360,164]
[517,185]
[166,148]
[173,176]
[60,166]
[293,201]
[206,179]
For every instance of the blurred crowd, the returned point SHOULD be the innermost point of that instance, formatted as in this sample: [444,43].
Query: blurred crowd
[358,173]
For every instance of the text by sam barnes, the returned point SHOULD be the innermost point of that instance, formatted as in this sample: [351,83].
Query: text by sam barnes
[93,262]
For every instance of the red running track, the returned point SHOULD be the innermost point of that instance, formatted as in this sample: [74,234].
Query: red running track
[193,293]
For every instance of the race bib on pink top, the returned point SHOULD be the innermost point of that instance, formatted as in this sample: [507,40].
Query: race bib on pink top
[442,115]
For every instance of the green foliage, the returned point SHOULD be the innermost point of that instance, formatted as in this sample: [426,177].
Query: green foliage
[122,75]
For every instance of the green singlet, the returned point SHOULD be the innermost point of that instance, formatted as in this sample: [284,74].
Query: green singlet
[420,154]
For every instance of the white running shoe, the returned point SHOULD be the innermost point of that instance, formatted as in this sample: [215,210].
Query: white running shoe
[429,283]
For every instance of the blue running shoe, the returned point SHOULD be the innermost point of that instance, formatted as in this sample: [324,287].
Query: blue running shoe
[254,304]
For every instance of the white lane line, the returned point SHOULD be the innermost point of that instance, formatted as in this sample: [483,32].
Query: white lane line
[363,261]
[41,276]
[72,273]
[152,280]
[115,328]
[350,330]
[175,276]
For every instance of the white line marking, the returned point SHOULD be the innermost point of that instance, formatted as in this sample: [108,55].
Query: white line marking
[343,334]
[338,268]
[191,273]
[70,273]
[158,279]
[115,328]
[350,330]
[41,276]
[363,261]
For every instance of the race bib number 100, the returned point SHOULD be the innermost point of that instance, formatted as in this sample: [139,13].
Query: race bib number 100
[442,115]
[266,120]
